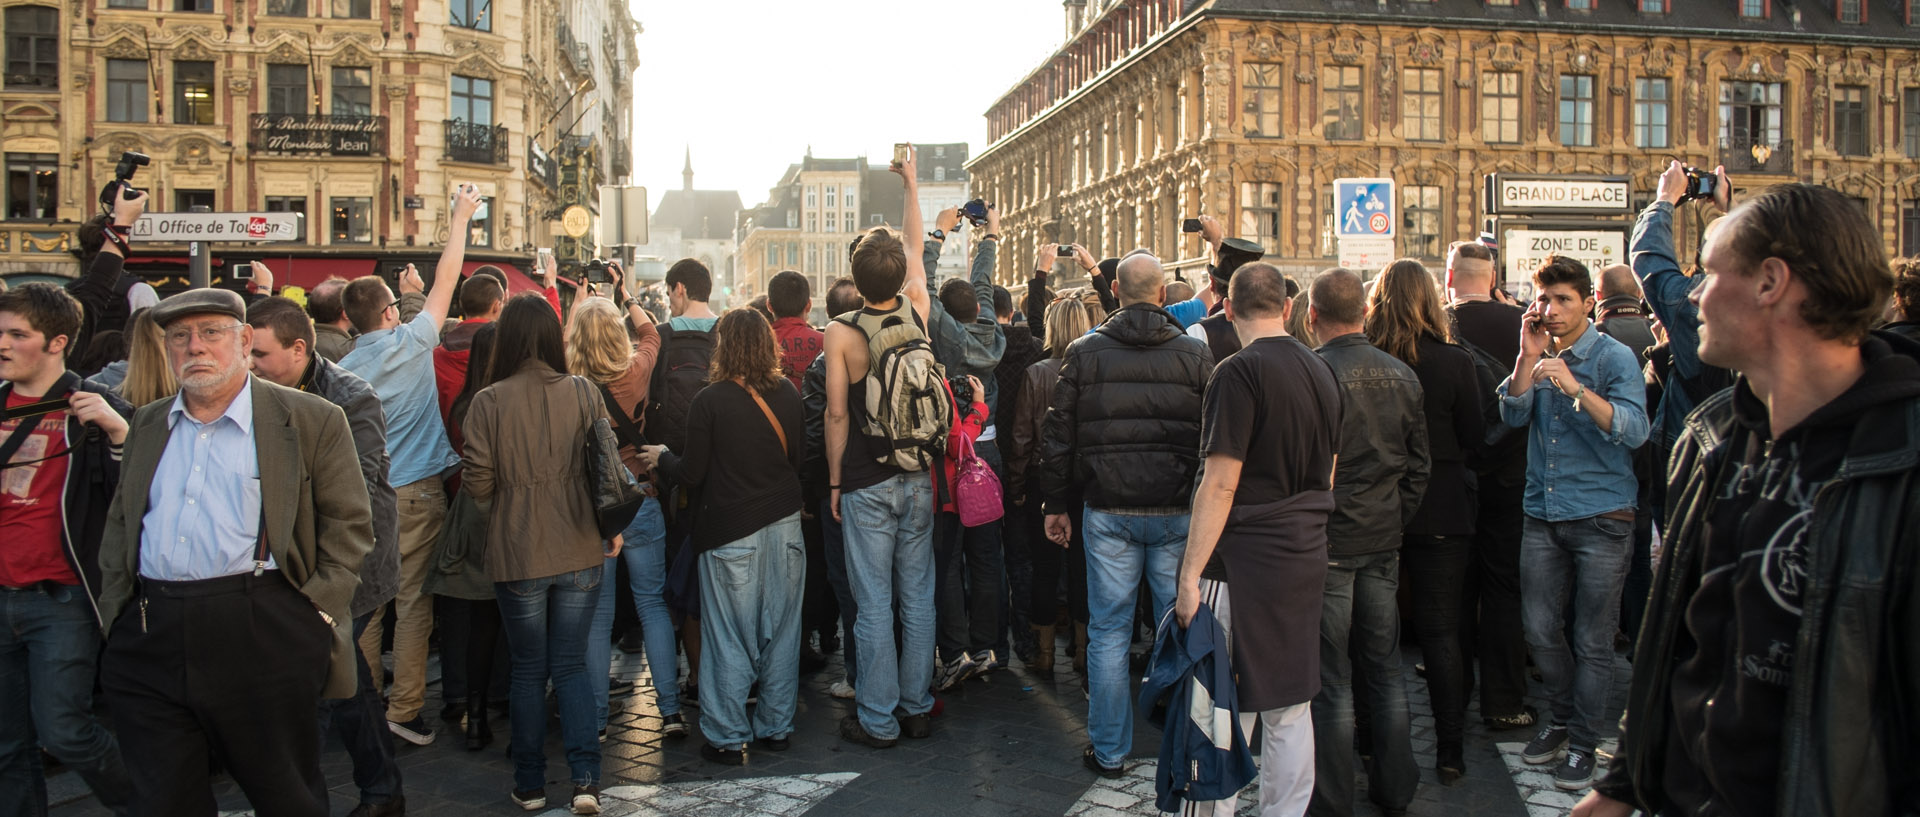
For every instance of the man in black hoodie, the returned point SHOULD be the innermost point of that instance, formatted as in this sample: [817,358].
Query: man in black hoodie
[1776,672]
[1124,432]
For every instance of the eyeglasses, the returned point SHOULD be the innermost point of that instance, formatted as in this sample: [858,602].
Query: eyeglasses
[209,335]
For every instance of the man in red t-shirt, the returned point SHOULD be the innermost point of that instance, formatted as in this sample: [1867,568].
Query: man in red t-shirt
[481,297]
[60,443]
[789,299]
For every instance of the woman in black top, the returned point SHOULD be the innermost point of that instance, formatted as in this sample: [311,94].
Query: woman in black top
[744,440]
[1405,319]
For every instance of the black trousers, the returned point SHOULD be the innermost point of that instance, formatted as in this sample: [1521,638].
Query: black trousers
[1495,586]
[230,668]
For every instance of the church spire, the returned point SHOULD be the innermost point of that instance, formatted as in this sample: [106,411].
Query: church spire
[687,173]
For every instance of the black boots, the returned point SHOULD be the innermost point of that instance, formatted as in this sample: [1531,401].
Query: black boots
[479,734]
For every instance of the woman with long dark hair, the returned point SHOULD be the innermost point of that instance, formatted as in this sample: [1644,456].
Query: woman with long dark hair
[526,468]
[1405,319]
[1067,320]
[459,573]
[744,451]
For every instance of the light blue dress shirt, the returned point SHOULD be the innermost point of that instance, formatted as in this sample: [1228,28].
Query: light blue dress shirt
[398,363]
[1575,470]
[203,509]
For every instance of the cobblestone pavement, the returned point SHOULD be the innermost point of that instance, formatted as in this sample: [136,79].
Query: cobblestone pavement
[1006,744]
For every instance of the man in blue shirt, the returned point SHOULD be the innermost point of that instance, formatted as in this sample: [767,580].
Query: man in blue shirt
[396,359]
[1667,291]
[1581,398]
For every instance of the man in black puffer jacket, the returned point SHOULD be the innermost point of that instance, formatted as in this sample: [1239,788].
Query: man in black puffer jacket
[1124,430]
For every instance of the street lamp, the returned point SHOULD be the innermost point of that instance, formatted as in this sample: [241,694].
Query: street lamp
[1761,153]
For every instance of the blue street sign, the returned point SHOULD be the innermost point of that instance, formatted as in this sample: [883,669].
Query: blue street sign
[1363,208]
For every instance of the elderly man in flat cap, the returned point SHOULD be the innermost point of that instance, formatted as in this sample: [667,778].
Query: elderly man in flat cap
[230,555]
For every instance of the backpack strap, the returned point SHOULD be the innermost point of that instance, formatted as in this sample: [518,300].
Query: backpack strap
[657,381]
[767,410]
[622,424]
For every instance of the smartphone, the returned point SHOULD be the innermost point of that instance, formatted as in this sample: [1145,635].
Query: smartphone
[1065,251]
[902,151]
[543,255]
[479,214]
[240,272]
[1191,225]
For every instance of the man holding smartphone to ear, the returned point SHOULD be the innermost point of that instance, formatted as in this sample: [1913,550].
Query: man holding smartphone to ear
[1581,398]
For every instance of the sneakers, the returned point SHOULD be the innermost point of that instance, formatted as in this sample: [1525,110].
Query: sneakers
[1575,772]
[779,744]
[1094,765]
[1525,720]
[586,799]
[674,726]
[415,731]
[530,800]
[852,732]
[986,661]
[841,689]
[1547,745]
[946,675]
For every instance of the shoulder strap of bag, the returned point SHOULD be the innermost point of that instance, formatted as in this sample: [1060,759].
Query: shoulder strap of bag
[767,410]
[622,424]
[27,425]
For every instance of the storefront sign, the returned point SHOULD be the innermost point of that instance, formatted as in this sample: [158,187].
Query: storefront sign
[316,133]
[218,227]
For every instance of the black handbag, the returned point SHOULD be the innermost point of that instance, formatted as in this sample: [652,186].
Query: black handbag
[616,495]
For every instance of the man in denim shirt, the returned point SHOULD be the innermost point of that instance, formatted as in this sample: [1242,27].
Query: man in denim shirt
[1584,421]
[1667,290]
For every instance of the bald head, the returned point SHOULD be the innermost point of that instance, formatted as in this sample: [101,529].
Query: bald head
[1617,281]
[1140,276]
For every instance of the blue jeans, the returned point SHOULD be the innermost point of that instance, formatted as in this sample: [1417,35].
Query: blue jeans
[889,547]
[834,538]
[751,591]
[1587,559]
[546,621]
[1122,549]
[49,646]
[971,591]
[645,552]
[361,722]
[1360,638]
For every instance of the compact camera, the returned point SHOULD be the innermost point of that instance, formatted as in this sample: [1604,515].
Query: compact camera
[1701,184]
[975,211]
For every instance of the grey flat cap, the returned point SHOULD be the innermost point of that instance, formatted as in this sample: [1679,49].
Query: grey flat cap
[200,302]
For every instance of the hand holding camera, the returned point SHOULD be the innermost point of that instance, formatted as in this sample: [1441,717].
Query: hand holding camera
[1681,184]
[1050,254]
[410,281]
[946,220]
[118,197]
[905,164]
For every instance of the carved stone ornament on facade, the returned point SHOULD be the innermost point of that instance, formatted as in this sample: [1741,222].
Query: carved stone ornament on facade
[1347,45]
[1659,61]
[124,48]
[286,54]
[353,56]
[1303,77]
[82,79]
[462,45]
[1816,109]
[192,49]
[239,84]
[1542,101]
[1386,97]
[477,66]
[395,90]
[1428,49]
[1505,56]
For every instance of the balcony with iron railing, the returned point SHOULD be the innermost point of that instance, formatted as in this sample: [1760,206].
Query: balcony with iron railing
[1744,154]
[476,143]
[318,133]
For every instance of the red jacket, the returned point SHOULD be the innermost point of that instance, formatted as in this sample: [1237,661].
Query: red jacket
[960,438]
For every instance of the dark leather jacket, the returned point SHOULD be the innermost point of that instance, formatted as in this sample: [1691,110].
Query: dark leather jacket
[1029,415]
[1851,741]
[93,475]
[1124,427]
[380,573]
[1384,463]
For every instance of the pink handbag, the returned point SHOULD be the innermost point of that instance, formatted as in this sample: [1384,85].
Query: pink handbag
[976,491]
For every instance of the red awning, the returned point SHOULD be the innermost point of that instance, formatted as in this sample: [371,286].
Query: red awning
[517,281]
[307,273]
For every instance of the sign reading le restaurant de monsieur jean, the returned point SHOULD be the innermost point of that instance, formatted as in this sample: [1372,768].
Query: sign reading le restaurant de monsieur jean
[1594,195]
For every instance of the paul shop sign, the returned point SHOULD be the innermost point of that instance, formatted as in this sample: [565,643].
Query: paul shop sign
[1510,194]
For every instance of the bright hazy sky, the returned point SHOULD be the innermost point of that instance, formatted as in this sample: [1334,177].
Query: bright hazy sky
[749,85]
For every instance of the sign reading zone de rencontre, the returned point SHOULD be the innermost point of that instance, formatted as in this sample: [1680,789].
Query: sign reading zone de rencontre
[218,227]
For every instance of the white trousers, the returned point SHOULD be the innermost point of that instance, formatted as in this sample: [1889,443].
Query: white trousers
[1286,747]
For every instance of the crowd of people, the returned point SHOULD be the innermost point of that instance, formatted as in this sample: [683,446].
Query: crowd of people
[219,515]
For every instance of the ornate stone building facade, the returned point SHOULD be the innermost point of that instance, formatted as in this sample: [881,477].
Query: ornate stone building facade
[1247,110]
[362,115]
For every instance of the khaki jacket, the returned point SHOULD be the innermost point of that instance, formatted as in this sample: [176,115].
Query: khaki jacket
[319,521]
[526,468]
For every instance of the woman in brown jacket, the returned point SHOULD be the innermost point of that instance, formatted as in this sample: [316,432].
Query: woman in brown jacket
[1067,321]
[526,468]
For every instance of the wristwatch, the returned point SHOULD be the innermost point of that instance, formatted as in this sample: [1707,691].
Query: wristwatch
[633,302]
[938,234]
